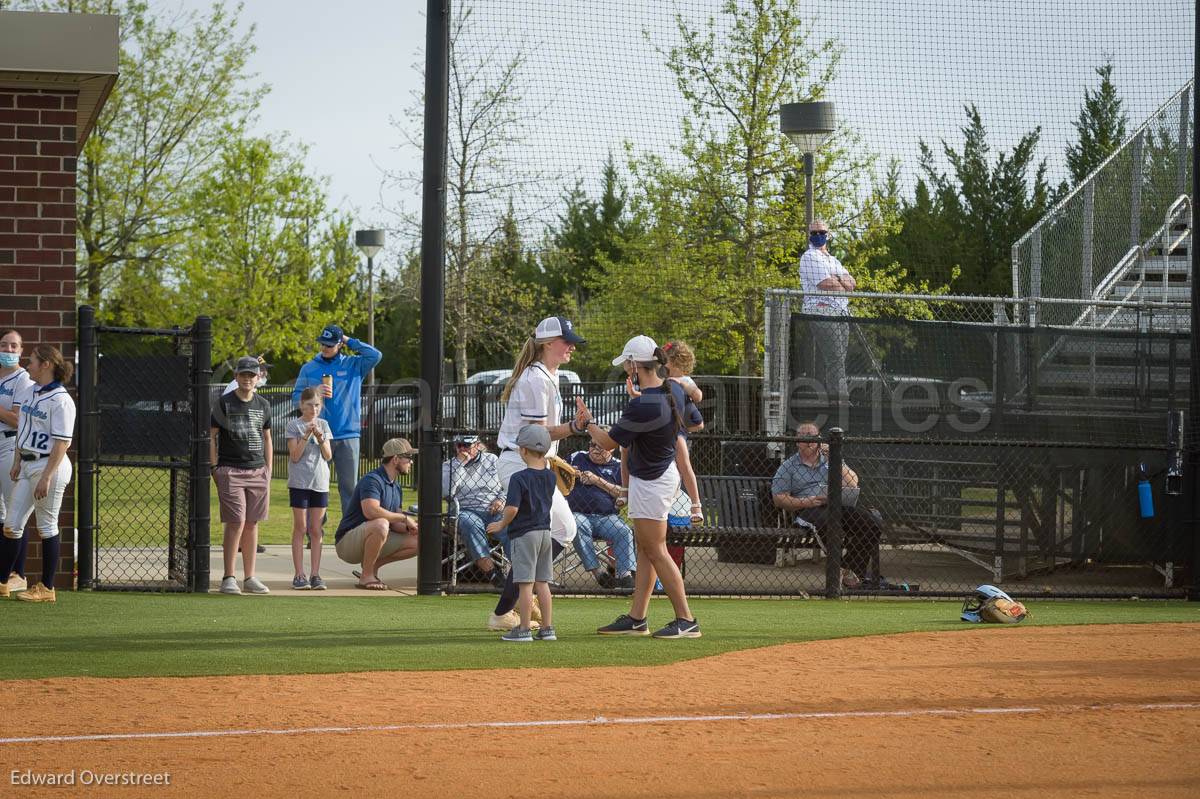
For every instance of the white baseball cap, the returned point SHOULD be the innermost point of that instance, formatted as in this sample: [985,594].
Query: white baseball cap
[556,326]
[638,348]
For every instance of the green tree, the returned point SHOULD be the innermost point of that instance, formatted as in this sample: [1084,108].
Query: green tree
[486,120]
[183,81]
[979,209]
[725,220]
[588,232]
[266,259]
[1101,127]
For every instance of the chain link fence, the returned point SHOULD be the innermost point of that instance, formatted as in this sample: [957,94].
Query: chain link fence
[929,517]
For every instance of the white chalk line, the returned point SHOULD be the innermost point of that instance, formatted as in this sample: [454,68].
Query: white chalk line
[604,720]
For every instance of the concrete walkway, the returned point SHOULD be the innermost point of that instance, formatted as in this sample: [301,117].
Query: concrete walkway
[274,567]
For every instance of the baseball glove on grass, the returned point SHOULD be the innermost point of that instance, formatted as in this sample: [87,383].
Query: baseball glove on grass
[564,474]
[987,603]
[999,610]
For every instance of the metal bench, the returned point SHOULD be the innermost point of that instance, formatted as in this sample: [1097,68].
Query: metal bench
[742,523]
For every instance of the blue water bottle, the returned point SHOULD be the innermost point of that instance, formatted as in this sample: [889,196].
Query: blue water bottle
[1145,495]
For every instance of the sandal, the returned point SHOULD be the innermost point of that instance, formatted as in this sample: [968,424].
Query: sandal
[374,585]
[697,513]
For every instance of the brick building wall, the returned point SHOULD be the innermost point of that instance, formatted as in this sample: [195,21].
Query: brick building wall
[37,246]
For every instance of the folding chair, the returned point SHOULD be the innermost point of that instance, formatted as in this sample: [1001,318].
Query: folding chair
[457,562]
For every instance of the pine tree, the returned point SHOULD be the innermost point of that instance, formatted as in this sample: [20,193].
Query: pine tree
[1101,127]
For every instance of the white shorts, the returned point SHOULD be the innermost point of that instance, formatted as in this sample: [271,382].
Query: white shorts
[22,502]
[562,521]
[652,499]
[7,446]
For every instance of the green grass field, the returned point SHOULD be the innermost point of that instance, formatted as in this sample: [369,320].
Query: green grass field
[127,635]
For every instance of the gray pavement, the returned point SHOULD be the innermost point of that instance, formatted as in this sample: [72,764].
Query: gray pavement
[274,567]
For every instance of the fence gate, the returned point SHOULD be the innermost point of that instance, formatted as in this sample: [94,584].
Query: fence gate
[143,456]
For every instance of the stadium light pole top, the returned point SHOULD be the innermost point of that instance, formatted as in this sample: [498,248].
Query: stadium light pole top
[369,241]
[808,125]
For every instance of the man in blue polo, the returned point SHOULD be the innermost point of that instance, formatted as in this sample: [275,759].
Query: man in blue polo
[374,530]
[593,501]
[339,378]
[801,485]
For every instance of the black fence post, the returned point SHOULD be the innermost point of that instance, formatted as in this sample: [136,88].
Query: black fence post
[1193,478]
[198,513]
[433,299]
[85,511]
[833,528]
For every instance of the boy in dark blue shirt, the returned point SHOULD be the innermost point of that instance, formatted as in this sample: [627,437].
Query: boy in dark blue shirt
[527,517]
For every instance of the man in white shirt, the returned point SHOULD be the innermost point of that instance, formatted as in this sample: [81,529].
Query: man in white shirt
[821,271]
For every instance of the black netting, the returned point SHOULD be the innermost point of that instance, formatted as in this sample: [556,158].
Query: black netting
[959,380]
[142,488]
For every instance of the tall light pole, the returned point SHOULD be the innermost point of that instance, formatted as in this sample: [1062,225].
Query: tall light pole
[370,242]
[808,125]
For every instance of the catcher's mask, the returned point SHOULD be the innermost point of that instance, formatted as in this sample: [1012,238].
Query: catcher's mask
[973,604]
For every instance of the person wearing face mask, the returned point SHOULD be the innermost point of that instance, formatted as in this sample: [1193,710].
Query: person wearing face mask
[14,382]
[821,271]
[40,469]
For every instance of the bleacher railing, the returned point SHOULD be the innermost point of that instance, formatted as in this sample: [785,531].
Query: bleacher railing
[1104,228]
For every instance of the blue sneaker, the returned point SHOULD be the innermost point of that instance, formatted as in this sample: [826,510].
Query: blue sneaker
[680,628]
[518,635]
[316,583]
[545,634]
[300,583]
[625,625]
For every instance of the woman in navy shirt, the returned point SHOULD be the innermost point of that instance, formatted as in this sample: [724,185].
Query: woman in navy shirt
[648,432]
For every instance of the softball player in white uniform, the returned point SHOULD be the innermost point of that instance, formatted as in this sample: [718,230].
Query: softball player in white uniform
[40,467]
[14,382]
[532,397]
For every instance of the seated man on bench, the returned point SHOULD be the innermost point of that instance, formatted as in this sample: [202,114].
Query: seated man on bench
[801,484]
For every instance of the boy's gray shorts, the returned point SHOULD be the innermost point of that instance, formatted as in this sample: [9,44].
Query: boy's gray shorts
[533,557]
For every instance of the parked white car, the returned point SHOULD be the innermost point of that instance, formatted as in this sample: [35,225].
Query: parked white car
[396,414]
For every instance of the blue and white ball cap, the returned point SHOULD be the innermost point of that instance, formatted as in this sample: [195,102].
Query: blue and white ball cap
[557,327]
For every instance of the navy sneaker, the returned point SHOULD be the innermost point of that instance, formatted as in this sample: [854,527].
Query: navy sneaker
[680,628]
[625,625]
[545,634]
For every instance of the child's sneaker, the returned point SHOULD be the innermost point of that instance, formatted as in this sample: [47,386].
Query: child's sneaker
[229,586]
[316,583]
[300,583]
[545,634]
[625,625]
[680,628]
[518,635]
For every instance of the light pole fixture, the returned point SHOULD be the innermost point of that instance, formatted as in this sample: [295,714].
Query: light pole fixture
[808,125]
[370,242]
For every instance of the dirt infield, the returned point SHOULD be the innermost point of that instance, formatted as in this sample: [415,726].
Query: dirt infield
[1091,711]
